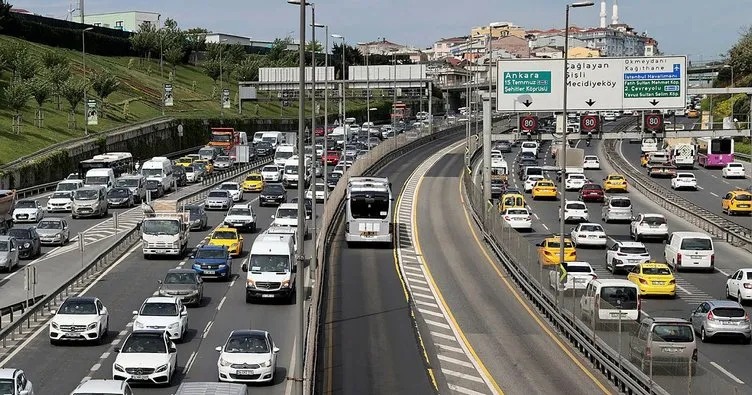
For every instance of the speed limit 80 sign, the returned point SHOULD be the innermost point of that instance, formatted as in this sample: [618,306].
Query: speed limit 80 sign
[529,124]
[654,122]
[589,123]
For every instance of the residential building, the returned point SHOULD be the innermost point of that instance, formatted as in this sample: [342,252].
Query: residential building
[614,41]
[582,52]
[381,47]
[128,21]
[443,47]
[503,30]
[232,39]
[555,40]
[547,53]
[518,47]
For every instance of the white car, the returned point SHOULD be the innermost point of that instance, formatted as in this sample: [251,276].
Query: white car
[649,226]
[27,210]
[588,234]
[60,201]
[624,255]
[248,356]
[271,173]
[733,170]
[579,275]
[530,146]
[103,387]
[575,211]
[319,151]
[235,190]
[737,285]
[591,162]
[684,181]
[340,168]
[530,183]
[163,313]
[82,318]
[147,356]
[518,218]
[241,217]
[575,181]
[14,382]
[321,191]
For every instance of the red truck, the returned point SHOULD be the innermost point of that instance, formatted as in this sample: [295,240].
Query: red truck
[223,137]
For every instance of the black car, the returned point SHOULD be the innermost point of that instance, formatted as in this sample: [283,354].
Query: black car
[264,148]
[497,187]
[272,194]
[120,197]
[155,188]
[180,177]
[198,218]
[308,207]
[28,242]
[332,180]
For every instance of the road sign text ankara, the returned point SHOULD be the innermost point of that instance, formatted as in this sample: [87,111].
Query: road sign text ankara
[594,84]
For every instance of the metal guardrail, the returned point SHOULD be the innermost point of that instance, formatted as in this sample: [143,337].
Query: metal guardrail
[702,218]
[744,157]
[50,186]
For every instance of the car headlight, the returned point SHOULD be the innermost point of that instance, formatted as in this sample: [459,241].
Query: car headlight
[27,245]
[235,245]
[138,325]
[266,363]
[223,362]
[161,368]
[118,368]
[250,284]
[285,284]
[91,326]
[57,236]
[54,325]
[174,325]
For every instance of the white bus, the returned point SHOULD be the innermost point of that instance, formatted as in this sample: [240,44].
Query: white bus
[369,211]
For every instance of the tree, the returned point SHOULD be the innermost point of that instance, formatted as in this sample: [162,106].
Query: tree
[145,40]
[195,39]
[51,59]
[247,70]
[741,54]
[174,56]
[104,84]
[16,96]
[212,68]
[5,14]
[40,89]
[279,49]
[310,46]
[73,92]
[58,76]
[22,64]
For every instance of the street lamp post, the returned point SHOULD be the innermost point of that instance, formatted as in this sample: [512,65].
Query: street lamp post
[368,93]
[728,66]
[83,61]
[394,92]
[562,182]
[221,83]
[490,55]
[345,127]
[326,112]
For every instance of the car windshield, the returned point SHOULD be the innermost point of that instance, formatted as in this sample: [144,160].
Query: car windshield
[229,187]
[517,212]
[61,195]
[67,186]
[591,228]
[576,176]
[615,178]
[78,307]
[685,175]
[26,204]
[270,263]
[160,309]
[578,269]
[145,343]
[180,278]
[102,180]
[217,194]
[620,203]
[269,140]
[211,254]
[270,169]
[555,244]
[617,295]
[274,189]
[160,227]
[743,197]
[19,233]
[240,211]
[335,176]
[194,210]
[576,206]
[735,165]
[119,193]
[4,246]
[673,333]
[592,187]
[654,221]
[656,271]
[225,235]
[152,184]
[544,184]
[255,177]
[127,182]
[247,344]
[190,169]
[49,224]
[633,250]
[730,312]
[263,145]
[86,194]
[695,244]
[223,159]
[291,169]
[591,158]
[7,387]
[287,213]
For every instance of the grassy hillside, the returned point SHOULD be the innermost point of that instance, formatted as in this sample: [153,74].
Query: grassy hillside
[138,98]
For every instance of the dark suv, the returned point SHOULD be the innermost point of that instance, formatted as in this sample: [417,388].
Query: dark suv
[28,242]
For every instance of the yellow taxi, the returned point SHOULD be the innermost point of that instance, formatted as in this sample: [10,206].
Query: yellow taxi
[548,251]
[207,165]
[653,279]
[692,113]
[615,182]
[253,182]
[544,189]
[227,237]
[184,161]
[511,200]
[644,158]
[737,202]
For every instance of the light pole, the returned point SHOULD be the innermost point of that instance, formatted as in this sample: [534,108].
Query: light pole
[300,234]
[83,60]
[394,92]
[562,182]
[728,66]
[368,91]
[326,110]
[221,84]
[345,127]
[490,55]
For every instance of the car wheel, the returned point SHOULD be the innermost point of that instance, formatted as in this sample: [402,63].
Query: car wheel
[739,298]
[703,336]
[728,293]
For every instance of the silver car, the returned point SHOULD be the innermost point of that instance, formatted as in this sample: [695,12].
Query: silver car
[721,318]
[617,208]
[218,199]
[53,231]
[8,253]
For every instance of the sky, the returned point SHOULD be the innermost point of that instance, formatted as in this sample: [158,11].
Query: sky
[700,29]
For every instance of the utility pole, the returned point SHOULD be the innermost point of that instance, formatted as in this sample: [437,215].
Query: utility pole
[487,148]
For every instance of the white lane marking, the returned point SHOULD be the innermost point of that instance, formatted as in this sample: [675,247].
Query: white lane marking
[115,342]
[189,364]
[722,272]
[85,379]
[429,312]
[291,383]
[420,288]
[544,225]
[206,330]
[96,367]
[105,355]
[439,324]
[415,280]
[443,336]
[232,283]
[455,361]
[683,289]
[726,372]
[414,268]
[449,348]
[462,375]
[423,295]
[221,302]
[700,188]
[43,328]
[714,194]
[536,216]
[429,304]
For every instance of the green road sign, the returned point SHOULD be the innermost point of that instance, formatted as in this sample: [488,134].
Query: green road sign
[527,82]
[640,89]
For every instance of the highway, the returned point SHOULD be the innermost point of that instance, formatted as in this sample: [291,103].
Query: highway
[721,364]
[124,286]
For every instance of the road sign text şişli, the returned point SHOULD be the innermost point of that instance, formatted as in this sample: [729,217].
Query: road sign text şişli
[527,82]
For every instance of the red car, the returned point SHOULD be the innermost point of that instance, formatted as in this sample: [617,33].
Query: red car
[332,157]
[319,131]
[592,193]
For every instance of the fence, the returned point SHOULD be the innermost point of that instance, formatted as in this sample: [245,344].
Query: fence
[614,349]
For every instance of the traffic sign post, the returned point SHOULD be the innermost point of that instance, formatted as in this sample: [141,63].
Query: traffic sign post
[590,124]
[653,123]
[528,124]
[593,84]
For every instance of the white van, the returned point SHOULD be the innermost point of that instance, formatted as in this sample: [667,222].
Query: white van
[257,137]
[605,299]
[649,145]
[273,138]
[530,146]
[283,153]
[96,177]
[159,168]
[290,176]
[287,216]
[690,250]
[103,387]
[69,185]
[271,268]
